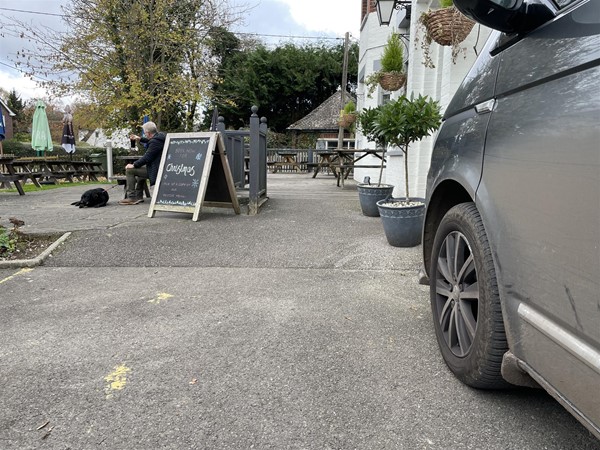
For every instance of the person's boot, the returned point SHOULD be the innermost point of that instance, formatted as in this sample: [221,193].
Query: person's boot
[131,201]
[133,198]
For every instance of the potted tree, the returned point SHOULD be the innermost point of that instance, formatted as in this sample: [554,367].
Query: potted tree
[369,194]
[400,123]
[446,26]
[392,76]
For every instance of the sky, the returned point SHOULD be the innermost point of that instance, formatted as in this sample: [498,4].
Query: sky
[280,19]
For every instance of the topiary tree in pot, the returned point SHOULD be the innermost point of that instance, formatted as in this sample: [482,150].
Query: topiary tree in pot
[369,194]
[402,122]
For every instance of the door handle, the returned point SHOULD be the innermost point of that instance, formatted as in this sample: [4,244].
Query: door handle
[485,107]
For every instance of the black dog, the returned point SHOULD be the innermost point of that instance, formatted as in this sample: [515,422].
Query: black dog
[93,198]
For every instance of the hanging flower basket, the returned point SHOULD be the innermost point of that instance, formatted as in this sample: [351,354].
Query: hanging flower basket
[447,26]
[392,81]
[347,119]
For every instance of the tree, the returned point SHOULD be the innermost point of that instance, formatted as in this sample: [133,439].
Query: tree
[286,83]
[16,105]
[129,58]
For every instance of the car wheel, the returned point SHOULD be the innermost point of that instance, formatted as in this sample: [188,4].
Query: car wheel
[464,300]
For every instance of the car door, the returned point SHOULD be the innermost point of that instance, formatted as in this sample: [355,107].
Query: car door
[540,201]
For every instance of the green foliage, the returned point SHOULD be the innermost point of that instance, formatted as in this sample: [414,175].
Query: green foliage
[286,83]
[446,3]
[8,243]
[366,122]
[128,58]
[404,121]
[392,59]
[349,107]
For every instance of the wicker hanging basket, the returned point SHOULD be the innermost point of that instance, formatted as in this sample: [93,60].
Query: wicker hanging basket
[347,119]
[392,81]
[447,26]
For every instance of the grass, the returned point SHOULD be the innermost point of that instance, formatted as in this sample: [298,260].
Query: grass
[30,187]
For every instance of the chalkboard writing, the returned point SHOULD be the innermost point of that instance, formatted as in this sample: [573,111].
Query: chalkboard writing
[193,170]
[182,172]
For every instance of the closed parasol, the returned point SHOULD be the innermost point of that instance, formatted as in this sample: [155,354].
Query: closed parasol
[2,130]
[68,136]
[41,139]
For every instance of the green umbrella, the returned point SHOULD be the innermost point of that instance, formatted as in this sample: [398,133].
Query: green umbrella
[41,140]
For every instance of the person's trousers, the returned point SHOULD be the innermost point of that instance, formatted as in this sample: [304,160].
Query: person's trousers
[134,185]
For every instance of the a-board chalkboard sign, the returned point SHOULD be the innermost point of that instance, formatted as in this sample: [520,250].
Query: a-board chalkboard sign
[194,171]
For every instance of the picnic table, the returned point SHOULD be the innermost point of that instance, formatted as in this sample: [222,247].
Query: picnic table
[9,175]
[45,170]
[288,160]
[342,161]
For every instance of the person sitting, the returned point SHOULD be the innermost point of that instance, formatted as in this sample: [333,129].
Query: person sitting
[145,168]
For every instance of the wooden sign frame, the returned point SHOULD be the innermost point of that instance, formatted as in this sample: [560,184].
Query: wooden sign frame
[215,174]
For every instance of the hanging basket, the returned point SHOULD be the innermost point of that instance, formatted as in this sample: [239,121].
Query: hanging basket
[447,26]
[347,119]
[392,81]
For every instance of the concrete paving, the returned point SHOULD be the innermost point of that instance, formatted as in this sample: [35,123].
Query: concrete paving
[299,327]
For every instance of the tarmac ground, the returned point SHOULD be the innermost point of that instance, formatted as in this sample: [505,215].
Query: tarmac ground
[299,327]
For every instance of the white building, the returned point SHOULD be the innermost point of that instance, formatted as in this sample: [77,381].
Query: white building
[440,82]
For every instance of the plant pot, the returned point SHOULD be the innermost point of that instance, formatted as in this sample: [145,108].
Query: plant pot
[346,120]
[402,224]
[447,26]
[392,81]
[370,194]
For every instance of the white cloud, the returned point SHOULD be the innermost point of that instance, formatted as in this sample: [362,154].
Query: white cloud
[25,87]
[330,16]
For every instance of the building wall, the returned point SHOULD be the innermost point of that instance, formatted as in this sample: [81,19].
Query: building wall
[8,123]
[440,83]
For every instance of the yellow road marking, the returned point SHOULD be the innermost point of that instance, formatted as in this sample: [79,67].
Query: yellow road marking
[160,298]
[116,380]
[22,271]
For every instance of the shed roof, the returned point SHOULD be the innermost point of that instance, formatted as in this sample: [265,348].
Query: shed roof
[324,117]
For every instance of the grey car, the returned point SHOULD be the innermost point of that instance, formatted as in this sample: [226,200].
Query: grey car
[511,238]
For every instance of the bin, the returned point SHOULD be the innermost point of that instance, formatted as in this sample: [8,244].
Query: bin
[101,158]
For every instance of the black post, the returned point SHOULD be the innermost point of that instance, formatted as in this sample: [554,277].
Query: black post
[254,162]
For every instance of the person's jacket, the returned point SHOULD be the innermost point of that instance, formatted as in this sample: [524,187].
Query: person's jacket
[151,159]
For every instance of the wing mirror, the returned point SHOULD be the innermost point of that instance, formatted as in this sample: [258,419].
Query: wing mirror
[508,16]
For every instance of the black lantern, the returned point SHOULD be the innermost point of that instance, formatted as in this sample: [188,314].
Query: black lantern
[385,9]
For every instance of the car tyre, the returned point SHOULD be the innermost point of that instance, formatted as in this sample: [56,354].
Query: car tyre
[465,302]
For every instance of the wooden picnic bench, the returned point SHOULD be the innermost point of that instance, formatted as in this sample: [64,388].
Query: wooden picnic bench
[9,175]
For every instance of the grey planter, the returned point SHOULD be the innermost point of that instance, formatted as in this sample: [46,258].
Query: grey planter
[402,224]
[370,194]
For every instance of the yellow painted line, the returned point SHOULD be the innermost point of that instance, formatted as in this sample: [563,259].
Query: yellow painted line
[116,380]
[20,272]
[161,297]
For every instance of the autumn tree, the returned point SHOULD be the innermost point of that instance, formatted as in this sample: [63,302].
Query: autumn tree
[130,58]
[286,83]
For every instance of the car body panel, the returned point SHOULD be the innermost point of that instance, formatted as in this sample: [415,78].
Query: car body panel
[538,192]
